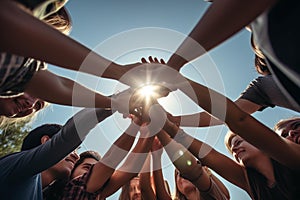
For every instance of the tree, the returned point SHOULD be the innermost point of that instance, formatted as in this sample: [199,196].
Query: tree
[11,137]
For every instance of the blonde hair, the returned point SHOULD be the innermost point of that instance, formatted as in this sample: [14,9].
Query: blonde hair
[227,140]
[6,122]
[60,20]
[282,123]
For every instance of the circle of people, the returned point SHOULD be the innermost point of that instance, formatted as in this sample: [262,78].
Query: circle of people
[265,163]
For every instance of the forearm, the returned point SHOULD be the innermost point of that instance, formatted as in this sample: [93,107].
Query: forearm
[145,181]
[45,43]
[161,192]
[64,91]
[120,147]
[216,26]
[202,119]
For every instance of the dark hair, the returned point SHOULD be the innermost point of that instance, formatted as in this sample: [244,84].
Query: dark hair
[84,155]
[259,60]
[33,139]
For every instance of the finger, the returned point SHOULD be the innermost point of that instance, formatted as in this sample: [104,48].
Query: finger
[150,59]
[162,61]
[156,60]
[144,60]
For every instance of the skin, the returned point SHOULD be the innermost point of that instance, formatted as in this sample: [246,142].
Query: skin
[61,169]
[290,131]
[20,106]
[187,188]
[134,189]
[83,167]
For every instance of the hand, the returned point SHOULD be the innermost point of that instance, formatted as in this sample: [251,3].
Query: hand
[175,119]
[120,102]
[154,73]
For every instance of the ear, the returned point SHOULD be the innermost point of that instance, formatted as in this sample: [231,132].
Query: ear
[44,139]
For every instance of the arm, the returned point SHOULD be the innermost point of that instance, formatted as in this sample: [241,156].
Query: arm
[206,119]
[160,187]
[44,43]
[104,169]
[246,126]
[145,181]
[131,166]
[216,26]
[60,145]
[209,157]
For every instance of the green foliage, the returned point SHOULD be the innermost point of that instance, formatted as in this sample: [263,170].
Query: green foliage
[11,138]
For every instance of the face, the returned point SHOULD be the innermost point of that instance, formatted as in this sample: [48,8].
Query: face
[185,186]
[20,106]
[243,152]
[64,168]
[83,167]
[134,189]
[290,131]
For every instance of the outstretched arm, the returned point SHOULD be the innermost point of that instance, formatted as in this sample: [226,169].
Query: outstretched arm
[159,182]
[27,36]
[246,126]
[131,166]
[145,181]
[208,156]
[103,170]
[221,20]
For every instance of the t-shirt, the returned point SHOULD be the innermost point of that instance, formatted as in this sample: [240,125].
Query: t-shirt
[286,187]
[264,91]
[276,33]
[20,172]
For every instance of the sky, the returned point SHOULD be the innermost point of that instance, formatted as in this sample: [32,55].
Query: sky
[125,31]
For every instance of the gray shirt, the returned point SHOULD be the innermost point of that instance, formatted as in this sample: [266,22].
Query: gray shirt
[20,172]
[265,92]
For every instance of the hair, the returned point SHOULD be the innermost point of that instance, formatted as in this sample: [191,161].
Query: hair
[33,139]
[259,59]
[228,139]
[6,122]
[282,123]
[84,155]
[60,20]
[178,194]
[125,190]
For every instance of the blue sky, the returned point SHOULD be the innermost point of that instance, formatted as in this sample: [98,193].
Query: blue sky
[109,26]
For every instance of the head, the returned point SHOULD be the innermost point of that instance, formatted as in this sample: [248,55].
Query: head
[183,186]
[41,135]
[86,160]
[60,20]
[289,129]
[243,152]
[20,106]
[131,190]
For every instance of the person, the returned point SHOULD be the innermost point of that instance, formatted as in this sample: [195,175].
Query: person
[146,186]
[184,189]
[34,167]
[81,166]
[289,129]
[192,180]
[31,47]
[102,180]
[275,36]
[131,190]
[20,108]
[278,179]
